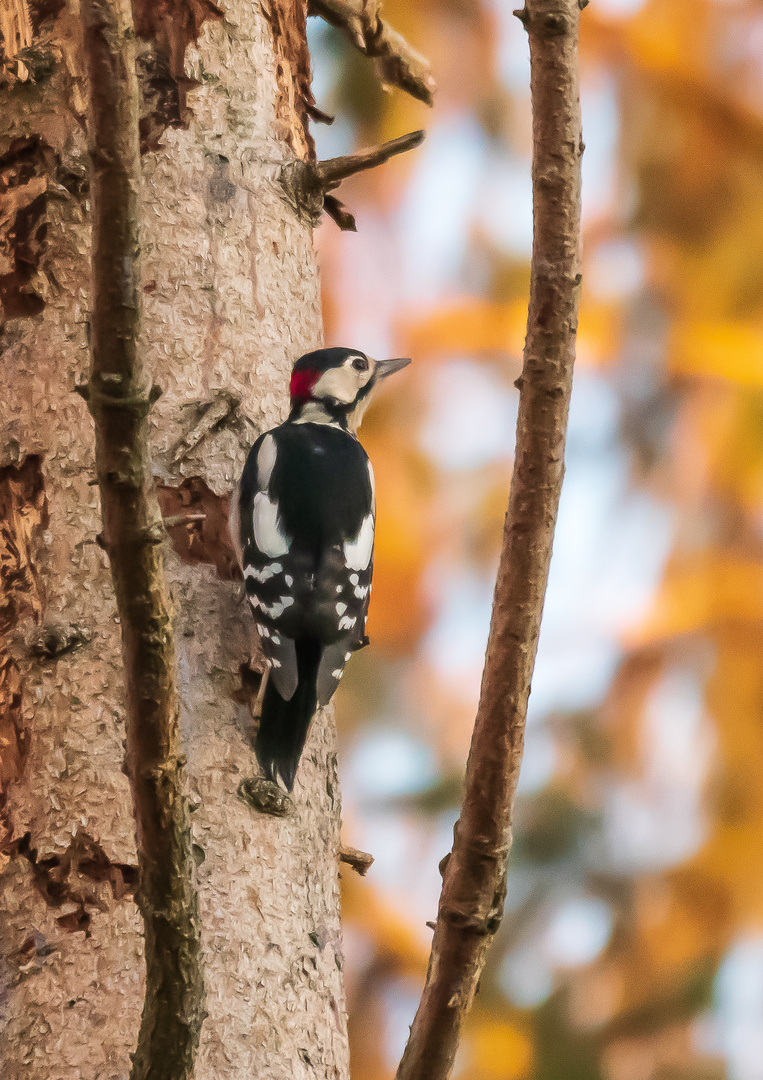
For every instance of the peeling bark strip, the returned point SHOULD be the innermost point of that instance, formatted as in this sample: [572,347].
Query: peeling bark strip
[73,880]
[25,181]
[170,26]
[23,514]
[295,104]
[120,399]
[474,876]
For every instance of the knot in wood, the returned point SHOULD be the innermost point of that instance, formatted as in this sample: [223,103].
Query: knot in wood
[554,24]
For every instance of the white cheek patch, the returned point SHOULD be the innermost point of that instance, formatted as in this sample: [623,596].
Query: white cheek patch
[267,530]
[357,552]
[266,460]
[341,384]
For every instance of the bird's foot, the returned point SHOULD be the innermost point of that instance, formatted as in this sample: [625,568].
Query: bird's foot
[265,796]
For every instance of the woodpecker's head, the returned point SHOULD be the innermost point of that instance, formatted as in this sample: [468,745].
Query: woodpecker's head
[336,385]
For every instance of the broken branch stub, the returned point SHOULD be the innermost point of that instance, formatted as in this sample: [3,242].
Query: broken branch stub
[307,184]
[399,64]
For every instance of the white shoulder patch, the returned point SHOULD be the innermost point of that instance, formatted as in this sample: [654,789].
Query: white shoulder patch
[373,484]
[268,536]
[266,460]
[357,552]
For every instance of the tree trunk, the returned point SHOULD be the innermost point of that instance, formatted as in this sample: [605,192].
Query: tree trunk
[230,299]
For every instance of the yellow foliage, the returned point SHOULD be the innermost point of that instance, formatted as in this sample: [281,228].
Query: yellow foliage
[469,326]
[730,351]
[394,938]
[494,1049]
[701,593]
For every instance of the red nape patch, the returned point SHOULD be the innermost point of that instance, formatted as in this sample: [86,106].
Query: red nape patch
[302,382]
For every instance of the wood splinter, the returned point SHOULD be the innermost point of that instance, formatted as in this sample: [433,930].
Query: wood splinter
[360,861]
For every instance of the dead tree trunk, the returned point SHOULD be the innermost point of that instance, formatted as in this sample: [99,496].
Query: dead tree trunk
[230,297]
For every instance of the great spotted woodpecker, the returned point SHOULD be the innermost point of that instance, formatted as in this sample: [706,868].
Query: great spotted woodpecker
[303,526]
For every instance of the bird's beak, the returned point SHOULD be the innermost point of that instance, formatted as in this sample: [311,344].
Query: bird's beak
[389,367]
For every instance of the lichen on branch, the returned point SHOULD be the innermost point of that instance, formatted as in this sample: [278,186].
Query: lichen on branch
[474,876]
[120,397]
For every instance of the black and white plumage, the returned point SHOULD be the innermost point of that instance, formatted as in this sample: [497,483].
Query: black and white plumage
[303,522]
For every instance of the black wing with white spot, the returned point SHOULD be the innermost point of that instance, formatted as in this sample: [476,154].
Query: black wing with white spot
[306,525]
[264,559]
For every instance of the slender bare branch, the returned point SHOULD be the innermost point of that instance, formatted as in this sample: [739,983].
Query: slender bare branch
[399,64]
[332,171]
[474,876]
[120,397]
[307,184]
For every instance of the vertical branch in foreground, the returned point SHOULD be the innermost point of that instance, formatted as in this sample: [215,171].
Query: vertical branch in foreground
[474,877]
[120,397]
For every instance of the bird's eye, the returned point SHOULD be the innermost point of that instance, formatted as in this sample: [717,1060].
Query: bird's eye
[360,363]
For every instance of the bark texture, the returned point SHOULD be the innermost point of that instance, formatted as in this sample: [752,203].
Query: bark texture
[230,297]
[474,874]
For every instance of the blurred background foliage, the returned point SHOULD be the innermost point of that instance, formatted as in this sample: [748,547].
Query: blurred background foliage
[632,944]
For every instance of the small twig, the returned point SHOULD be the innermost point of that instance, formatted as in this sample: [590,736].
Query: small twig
[474,877]
[339,213]
[307,184]
[217,412]
[360,861]
[399,63]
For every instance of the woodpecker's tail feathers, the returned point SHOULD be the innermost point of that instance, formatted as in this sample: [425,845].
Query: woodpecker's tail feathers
[284,724]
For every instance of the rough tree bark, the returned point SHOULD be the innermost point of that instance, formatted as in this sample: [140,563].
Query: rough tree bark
[230,296]
[474,874]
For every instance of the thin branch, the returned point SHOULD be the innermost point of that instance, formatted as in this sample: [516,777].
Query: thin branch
[474,877]
[399,64]
[223,405]
[307,184]
[331,172]
[120,397]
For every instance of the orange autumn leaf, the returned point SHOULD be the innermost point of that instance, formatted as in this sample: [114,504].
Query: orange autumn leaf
[701,592]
